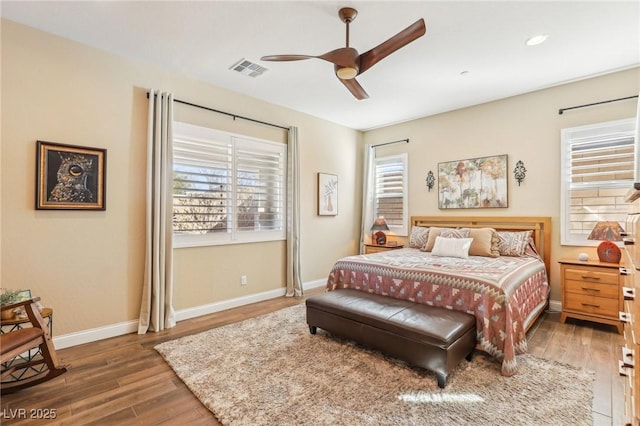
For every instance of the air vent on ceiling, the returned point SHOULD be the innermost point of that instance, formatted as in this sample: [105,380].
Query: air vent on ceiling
[249,68]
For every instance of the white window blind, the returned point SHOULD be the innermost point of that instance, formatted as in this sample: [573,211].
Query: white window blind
[260,176]
[391,192]
[598,167]
[226,188]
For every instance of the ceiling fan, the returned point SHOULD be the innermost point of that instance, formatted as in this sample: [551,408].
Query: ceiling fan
[348,63]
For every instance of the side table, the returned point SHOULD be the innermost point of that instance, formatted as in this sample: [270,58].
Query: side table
[591,290]
[18,323]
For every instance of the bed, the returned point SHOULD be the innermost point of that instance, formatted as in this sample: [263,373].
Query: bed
[503,282]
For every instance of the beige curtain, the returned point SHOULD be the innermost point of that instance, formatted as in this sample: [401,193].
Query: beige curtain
[156,310]
[367,195]
[294,281]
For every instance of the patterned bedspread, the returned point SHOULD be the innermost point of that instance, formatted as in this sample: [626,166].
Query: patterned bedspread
[501,292]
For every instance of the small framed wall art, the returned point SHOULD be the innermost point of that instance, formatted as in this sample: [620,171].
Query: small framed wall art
[70,177]
[327,194]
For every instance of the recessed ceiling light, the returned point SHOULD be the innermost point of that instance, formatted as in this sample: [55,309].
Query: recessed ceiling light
[535,40]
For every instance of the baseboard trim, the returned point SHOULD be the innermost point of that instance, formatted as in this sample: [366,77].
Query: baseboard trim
[314,284]
[94,334]
[127,327]
[555,306]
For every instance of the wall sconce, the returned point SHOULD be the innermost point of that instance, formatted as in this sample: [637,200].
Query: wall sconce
[431,180]
[519,172]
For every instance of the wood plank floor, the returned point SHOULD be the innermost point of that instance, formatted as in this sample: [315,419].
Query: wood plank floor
[123,380]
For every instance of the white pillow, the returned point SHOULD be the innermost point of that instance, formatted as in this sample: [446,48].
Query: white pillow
[452,247]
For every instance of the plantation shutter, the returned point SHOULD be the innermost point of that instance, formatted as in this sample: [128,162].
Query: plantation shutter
[598,168]
[202,185]
[390,191]
[602,162]
[260,194]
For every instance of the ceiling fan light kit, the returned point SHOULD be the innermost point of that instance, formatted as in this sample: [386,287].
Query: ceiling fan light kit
[348,64]
[346,73]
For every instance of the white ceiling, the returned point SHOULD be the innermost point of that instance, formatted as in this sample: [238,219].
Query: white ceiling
[203,39]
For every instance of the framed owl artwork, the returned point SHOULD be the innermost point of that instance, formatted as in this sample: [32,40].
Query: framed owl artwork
[70,177]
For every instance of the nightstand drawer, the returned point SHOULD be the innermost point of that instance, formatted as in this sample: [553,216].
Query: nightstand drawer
[372,248]
[589,288]
[592,274]
[591,305]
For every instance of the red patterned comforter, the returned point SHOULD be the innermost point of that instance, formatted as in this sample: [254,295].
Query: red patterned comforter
[503,293]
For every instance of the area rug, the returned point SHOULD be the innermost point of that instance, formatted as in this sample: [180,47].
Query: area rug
[271,371]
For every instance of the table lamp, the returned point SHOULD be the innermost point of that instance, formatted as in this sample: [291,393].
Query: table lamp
[607,232]
[380,225]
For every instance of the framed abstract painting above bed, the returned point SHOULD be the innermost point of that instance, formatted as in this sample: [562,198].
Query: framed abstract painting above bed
[474,183]
[501,277]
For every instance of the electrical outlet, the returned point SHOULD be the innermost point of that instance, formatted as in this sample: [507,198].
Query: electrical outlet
[243,280]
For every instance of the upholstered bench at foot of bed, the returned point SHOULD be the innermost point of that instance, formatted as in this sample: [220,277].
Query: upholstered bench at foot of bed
[429,337]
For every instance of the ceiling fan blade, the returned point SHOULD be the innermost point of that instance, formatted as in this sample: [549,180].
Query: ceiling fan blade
[286,57]
[344,56]
[355,88]
[381,51]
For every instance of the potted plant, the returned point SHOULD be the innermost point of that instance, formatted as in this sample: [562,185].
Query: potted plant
[7,297]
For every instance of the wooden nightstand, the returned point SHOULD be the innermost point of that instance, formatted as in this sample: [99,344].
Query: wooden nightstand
[591,291]
[374,248]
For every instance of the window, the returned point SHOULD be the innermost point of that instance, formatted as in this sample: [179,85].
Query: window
[390,192]
[226,188]
[597,171]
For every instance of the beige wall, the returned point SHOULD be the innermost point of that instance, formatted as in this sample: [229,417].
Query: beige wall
[526,128]
[88,265]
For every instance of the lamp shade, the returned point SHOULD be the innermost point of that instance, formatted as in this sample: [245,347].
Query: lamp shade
[379,225]
[603,231]
[607,232]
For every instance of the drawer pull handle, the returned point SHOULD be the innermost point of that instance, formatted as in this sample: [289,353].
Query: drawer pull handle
[590,277]
[591,305]
[622,370]
[624,271]
[624,317]
[627,357]
[590,289]
[629,293]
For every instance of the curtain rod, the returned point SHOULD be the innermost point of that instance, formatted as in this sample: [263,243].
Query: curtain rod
[561,110]
[389,143]
[228,114]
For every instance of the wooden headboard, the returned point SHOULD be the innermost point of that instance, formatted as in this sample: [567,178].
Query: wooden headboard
[541,227]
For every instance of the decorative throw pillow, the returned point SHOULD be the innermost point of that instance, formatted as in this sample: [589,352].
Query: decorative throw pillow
[431,240]
[454,233]
[485,242]
[452,247]
[513,243]
[418,237]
